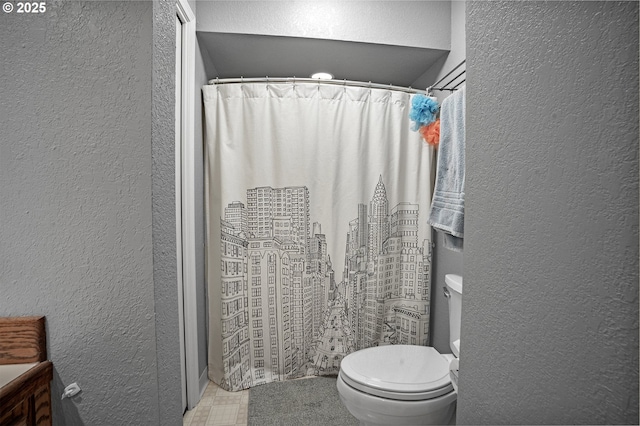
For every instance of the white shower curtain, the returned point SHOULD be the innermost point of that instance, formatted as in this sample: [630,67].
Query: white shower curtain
[317,201]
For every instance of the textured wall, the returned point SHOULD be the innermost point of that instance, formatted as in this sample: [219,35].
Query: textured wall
[76,212]
[550,309]
[404,23]
[164,212]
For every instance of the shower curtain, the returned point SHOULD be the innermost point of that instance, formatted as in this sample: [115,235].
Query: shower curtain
[317,199]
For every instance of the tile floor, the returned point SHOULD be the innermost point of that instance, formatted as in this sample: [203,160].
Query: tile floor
[219,407]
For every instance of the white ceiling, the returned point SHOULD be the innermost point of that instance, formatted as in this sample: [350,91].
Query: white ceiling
[248,55]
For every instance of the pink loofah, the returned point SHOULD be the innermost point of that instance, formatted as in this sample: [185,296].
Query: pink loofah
[431,133]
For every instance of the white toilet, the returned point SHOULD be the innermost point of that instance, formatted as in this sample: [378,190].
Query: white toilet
[404,384]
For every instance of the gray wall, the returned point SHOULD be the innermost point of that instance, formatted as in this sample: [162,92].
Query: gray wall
[84,241]
[403,23]
[550,304]
[444,262]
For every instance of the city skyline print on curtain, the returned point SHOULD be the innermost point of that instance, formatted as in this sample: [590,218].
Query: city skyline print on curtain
[312,267]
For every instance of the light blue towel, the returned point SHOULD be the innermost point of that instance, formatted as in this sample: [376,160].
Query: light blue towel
[447,206]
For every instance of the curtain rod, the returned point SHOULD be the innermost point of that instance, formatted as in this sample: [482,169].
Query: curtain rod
[316,81]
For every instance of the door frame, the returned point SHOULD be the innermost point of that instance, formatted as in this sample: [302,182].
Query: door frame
[185,206]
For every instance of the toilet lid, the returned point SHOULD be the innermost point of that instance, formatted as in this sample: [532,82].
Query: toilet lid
[403,372]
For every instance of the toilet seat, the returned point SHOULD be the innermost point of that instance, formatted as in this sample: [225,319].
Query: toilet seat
[400,372]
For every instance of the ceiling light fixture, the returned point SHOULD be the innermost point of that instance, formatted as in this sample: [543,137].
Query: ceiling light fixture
[322,76]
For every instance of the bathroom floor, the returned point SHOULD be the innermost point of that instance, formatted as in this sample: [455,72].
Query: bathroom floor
[219,407]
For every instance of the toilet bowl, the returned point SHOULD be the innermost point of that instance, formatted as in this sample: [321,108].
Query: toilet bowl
[405,384]
[398,385]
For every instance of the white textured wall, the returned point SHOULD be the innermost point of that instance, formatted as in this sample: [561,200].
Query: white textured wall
[550,305]
[84,240]
[403,23]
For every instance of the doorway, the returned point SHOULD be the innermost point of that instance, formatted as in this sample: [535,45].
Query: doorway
[185,202]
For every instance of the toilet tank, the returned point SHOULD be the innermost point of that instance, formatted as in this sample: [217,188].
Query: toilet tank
[454,296]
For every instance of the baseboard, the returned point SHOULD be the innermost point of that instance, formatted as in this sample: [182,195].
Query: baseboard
[204,381]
